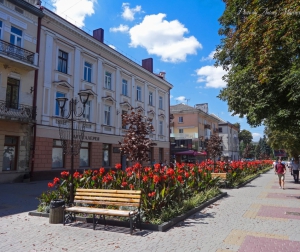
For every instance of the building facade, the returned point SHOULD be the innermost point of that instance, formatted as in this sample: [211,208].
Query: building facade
[229,134]
[19,27]
[72,61]
[191,126]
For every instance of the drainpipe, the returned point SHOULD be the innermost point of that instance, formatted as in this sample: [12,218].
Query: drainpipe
[36,73]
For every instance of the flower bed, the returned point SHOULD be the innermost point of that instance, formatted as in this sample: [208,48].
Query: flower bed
[166,192]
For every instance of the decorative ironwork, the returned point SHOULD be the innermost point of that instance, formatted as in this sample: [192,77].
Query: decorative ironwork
[65,133]
[16,110]
[206,126]
[16,52]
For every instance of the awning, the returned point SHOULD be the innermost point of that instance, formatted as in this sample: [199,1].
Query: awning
[191,153]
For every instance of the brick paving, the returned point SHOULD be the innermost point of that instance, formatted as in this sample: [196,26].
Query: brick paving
[246,220]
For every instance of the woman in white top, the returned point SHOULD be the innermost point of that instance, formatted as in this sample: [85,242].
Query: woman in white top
[295,169]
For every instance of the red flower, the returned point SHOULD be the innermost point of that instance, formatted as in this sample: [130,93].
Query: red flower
[131,186]
[170,172]
[55,180]
[151,194]
[186,174]
[64,174]
[76,174]
[101,171]
[95,172]
[94,178]
[124,184]
[179,178]
[156,178]
[50,184]
[118,166]
[145,178]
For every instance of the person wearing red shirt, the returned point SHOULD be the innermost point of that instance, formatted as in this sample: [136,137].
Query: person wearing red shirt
[280,171]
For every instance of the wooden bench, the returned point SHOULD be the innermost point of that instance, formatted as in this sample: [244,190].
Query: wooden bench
[97,201]
[222,177]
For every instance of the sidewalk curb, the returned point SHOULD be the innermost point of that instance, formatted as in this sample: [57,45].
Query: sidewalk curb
[152,227]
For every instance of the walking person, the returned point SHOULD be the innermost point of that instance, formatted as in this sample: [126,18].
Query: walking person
[280,171]
[295,168]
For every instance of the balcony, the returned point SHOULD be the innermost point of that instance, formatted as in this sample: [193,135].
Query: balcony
[16,112]
[184,135]
[13,55]
[206,126]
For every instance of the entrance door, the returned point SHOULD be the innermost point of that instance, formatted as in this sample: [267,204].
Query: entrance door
[10,153]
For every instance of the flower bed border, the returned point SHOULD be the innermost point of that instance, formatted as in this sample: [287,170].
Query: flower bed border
[152,227]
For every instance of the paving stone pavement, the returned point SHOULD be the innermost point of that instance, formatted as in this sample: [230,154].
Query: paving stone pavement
[242,221]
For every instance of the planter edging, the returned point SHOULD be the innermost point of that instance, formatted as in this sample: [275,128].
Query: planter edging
[162,227]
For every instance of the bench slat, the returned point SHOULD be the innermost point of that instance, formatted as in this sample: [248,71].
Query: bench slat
[106,199]
[109,191]
[110,203]
[108,195]
[221,175]
[100,211]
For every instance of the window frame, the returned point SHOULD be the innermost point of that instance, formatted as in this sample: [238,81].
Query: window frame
[160,102]
[60,147]
[87,71]
[108,80]
[124,87]
[15,36]
[1,30]
[107,115]
[106,148]
[16,152]
[88,107]
[62,64]
[151,98]
[138,93]
[12,86]
[161,132]
[180,131]
[82,147]
[180,119]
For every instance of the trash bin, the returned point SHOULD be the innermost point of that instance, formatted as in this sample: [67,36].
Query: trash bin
[56,211]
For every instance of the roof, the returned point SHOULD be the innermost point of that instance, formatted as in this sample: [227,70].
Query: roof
[182,107]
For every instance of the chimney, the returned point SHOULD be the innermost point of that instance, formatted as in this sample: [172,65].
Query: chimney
[162,74]
[148,64]
[99,34]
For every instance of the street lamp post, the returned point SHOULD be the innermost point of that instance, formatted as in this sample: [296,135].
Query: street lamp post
[67,125]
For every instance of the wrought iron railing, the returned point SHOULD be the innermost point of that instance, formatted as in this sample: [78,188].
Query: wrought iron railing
[9,110]
[16,52]
[206,126]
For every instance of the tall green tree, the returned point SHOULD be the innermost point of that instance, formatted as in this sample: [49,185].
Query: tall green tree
[260,50]
[245,136]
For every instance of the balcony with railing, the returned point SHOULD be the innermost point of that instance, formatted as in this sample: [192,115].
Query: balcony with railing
[184,135]
[206,126]
[16,112]
[17,56]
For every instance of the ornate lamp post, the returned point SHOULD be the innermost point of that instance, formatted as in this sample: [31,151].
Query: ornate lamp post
[71,129]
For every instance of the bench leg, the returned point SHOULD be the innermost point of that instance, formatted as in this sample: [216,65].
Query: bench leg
[94,225]
[140,223]
[131,226]
[104,220]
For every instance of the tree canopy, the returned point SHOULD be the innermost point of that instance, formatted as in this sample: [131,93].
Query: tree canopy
[245,136]
[260,50]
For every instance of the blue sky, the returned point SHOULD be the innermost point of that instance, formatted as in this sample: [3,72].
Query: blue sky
[180,36]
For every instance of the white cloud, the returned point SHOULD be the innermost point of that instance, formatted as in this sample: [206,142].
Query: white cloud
[210,56]
[171,96]
[74,12]
[121,28]
[113,47]
[256,137]
[128,14]
[180,99]
[163,38]
[212,76]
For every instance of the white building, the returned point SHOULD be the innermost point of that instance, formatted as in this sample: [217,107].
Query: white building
[229,134]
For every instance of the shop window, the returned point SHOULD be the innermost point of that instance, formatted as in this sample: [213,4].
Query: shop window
[106,155]
[57,154]
[84,155]
[10,153]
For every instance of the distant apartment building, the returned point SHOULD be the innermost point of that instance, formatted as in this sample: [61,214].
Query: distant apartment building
[191,127]
[229,134]
[72,61]
[19,23]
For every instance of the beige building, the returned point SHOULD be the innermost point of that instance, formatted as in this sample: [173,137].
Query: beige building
[19,21]
[193,123]
[72,61]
